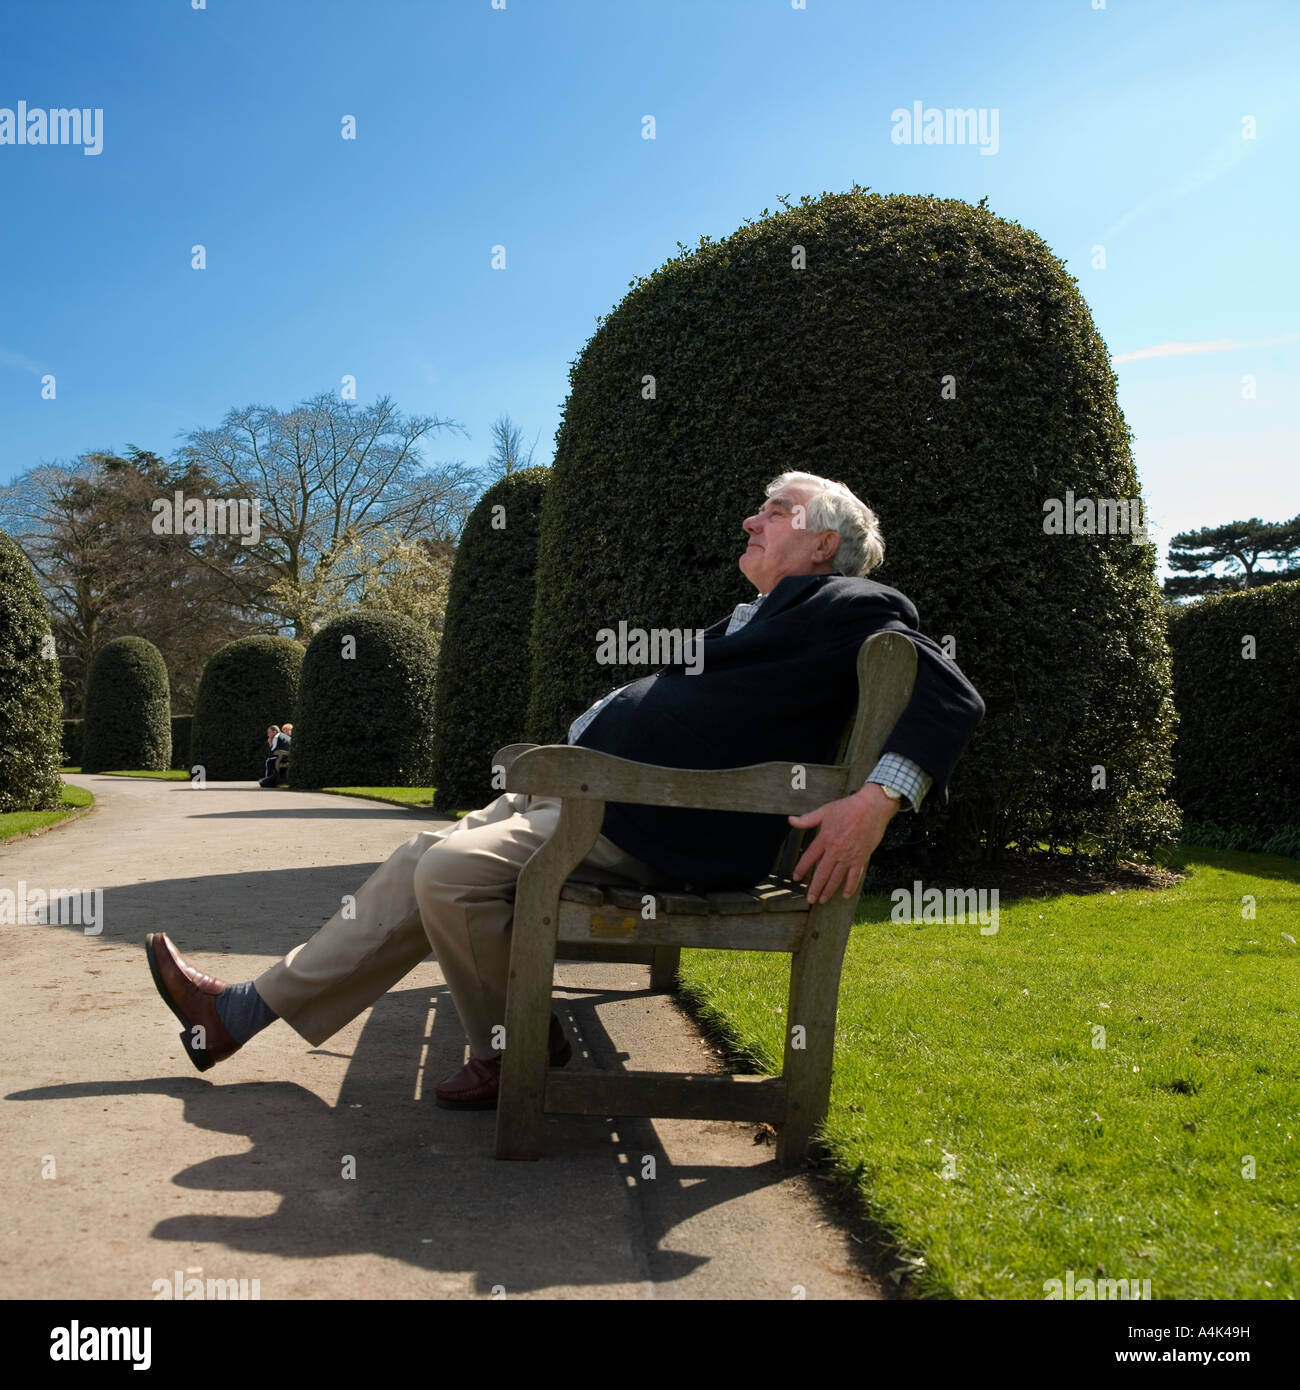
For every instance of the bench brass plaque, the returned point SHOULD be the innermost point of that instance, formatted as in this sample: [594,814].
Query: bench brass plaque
[608,924]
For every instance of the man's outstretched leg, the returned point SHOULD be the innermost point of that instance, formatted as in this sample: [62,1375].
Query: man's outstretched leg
[373,940]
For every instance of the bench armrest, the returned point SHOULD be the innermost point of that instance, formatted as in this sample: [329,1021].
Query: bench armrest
[504,757]
[560,769]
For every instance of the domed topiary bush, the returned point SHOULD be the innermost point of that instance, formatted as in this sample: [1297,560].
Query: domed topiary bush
[364,715]
[128,709]
[942,363]
[246,686]
[31,709]
[482,696]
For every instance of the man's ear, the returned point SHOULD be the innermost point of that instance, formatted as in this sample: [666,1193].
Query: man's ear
[828,545]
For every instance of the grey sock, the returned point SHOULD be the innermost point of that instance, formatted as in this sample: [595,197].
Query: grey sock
[243,1011]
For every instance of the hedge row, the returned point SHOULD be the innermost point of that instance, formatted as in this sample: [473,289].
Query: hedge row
[482,695]
[1284,840]
[30,702]
[942,363]
[1237,688]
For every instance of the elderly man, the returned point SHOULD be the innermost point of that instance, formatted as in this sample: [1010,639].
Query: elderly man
[777,683]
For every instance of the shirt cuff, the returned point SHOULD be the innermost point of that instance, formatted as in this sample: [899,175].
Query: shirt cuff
[894,770]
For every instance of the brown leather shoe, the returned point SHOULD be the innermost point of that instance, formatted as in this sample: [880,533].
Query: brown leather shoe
[476,1085]
[192,997]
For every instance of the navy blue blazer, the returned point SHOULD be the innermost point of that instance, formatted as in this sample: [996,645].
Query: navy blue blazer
[781,689]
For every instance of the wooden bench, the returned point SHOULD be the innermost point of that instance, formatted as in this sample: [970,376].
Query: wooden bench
[580,921]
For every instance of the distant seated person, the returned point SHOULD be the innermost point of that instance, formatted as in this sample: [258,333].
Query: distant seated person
[277,739]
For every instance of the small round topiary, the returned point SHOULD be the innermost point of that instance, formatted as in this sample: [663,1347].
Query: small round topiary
[247,685]
[482,700]
[30,702]
[128,709]
[364,715]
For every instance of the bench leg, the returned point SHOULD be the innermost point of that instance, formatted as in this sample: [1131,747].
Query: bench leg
[522,1100]
[810,1027]
[663,970]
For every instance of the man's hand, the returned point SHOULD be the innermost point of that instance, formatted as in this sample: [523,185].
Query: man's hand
[848,833]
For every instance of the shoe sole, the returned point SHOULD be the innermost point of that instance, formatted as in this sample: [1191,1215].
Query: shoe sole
[465,1104]
[560,1059]
[197,1055]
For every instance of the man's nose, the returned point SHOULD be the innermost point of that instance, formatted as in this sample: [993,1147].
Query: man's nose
[749,525]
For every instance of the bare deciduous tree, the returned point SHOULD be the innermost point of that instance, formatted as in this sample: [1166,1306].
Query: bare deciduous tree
[87,530]
[334,481]
[508,452]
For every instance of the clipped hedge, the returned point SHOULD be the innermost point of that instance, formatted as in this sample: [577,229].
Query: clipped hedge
[71,744]
[482,696]
[31,705]
[247,686]
[182,728]
[364,715]
[1237,689]
[128,709]
[843,369]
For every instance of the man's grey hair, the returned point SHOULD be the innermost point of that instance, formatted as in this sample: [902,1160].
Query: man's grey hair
[832,507]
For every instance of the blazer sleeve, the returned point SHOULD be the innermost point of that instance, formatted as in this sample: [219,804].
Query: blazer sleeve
[945,708]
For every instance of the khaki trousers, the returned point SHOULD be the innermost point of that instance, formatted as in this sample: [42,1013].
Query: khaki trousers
[452,890]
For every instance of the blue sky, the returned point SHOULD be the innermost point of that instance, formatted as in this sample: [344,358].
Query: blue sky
[1120,127]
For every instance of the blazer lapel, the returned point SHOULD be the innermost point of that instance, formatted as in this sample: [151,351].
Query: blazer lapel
[790,590]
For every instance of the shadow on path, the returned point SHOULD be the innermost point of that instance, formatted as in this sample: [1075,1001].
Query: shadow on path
[425,1188]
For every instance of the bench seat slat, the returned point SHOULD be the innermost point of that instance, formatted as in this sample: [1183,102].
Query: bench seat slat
[672,1096]
[760,931]
[574,892]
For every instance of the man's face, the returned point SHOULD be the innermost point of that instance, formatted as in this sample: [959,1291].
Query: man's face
[780,543]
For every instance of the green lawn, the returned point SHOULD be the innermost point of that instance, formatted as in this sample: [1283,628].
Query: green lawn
[172,774]
[399,796]
[1131,1157]
[20,822]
